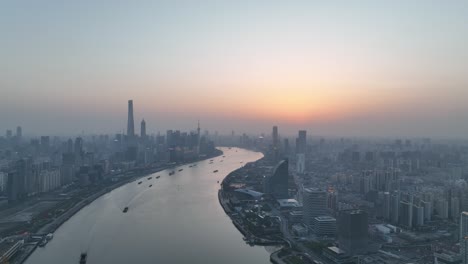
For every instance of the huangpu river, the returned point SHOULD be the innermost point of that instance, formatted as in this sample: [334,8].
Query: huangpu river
[177,220]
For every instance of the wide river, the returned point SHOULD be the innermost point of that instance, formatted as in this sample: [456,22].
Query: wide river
[177,220]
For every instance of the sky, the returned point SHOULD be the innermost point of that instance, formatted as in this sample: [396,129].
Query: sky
[338,68]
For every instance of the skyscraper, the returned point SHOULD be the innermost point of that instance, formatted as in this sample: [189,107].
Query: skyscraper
[386,207]
[198,138]
[464,237]
[301,142]
[17,178]
[277,183]
[275,137]
[130,123]
[406,214]
[300,163]
[143,129]
[169,138]
[13,186]
[352,231]
[395,207]
[19,132]
[70,145]
[314,204]
[78,149]
[275,146]
[45,143]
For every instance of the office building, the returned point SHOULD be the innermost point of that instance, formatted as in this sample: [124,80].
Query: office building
[69,145]
[324,226]
[464,237]
[406,214]
[19,132]
[275,147]
[300,163]
[130,123]
[143,129]
[275,137]
[301,142]
[352,231]
[45,143]
[78,149]
[314,204]
[286,147]
[386,205]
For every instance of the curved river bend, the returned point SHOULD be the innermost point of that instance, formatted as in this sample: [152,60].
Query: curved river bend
[177,220]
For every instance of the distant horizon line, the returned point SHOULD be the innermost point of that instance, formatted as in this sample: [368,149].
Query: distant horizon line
[266,135]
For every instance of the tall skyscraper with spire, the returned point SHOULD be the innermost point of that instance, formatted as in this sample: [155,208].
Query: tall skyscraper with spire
[130,123]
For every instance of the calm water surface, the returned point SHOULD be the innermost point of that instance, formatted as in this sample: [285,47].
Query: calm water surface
[177,220]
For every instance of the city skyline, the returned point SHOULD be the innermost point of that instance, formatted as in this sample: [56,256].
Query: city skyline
[249,131]
[370,69]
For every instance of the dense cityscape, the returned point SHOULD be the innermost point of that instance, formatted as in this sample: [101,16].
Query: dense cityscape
[44,181]
[234,132]
[320,200]
[347,200]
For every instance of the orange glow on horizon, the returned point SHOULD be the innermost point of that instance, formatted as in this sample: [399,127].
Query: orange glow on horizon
[292,99]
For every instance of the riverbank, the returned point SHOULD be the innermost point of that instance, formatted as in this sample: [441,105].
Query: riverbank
[53,226]
[254,230]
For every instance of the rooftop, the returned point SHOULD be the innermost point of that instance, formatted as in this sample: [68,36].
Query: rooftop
[336,250]
[252,193]
[288,202]
[325,218]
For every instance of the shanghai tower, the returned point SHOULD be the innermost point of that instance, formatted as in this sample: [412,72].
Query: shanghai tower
[130,123]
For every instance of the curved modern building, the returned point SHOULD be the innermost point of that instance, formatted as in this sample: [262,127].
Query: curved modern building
[277,183]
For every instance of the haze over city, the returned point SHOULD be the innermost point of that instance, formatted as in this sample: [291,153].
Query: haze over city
[371,68]
[234,132]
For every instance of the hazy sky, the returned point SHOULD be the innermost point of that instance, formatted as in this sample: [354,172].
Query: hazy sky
[384,68]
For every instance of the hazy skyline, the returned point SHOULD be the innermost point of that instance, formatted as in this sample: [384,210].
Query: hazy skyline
[367,68]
